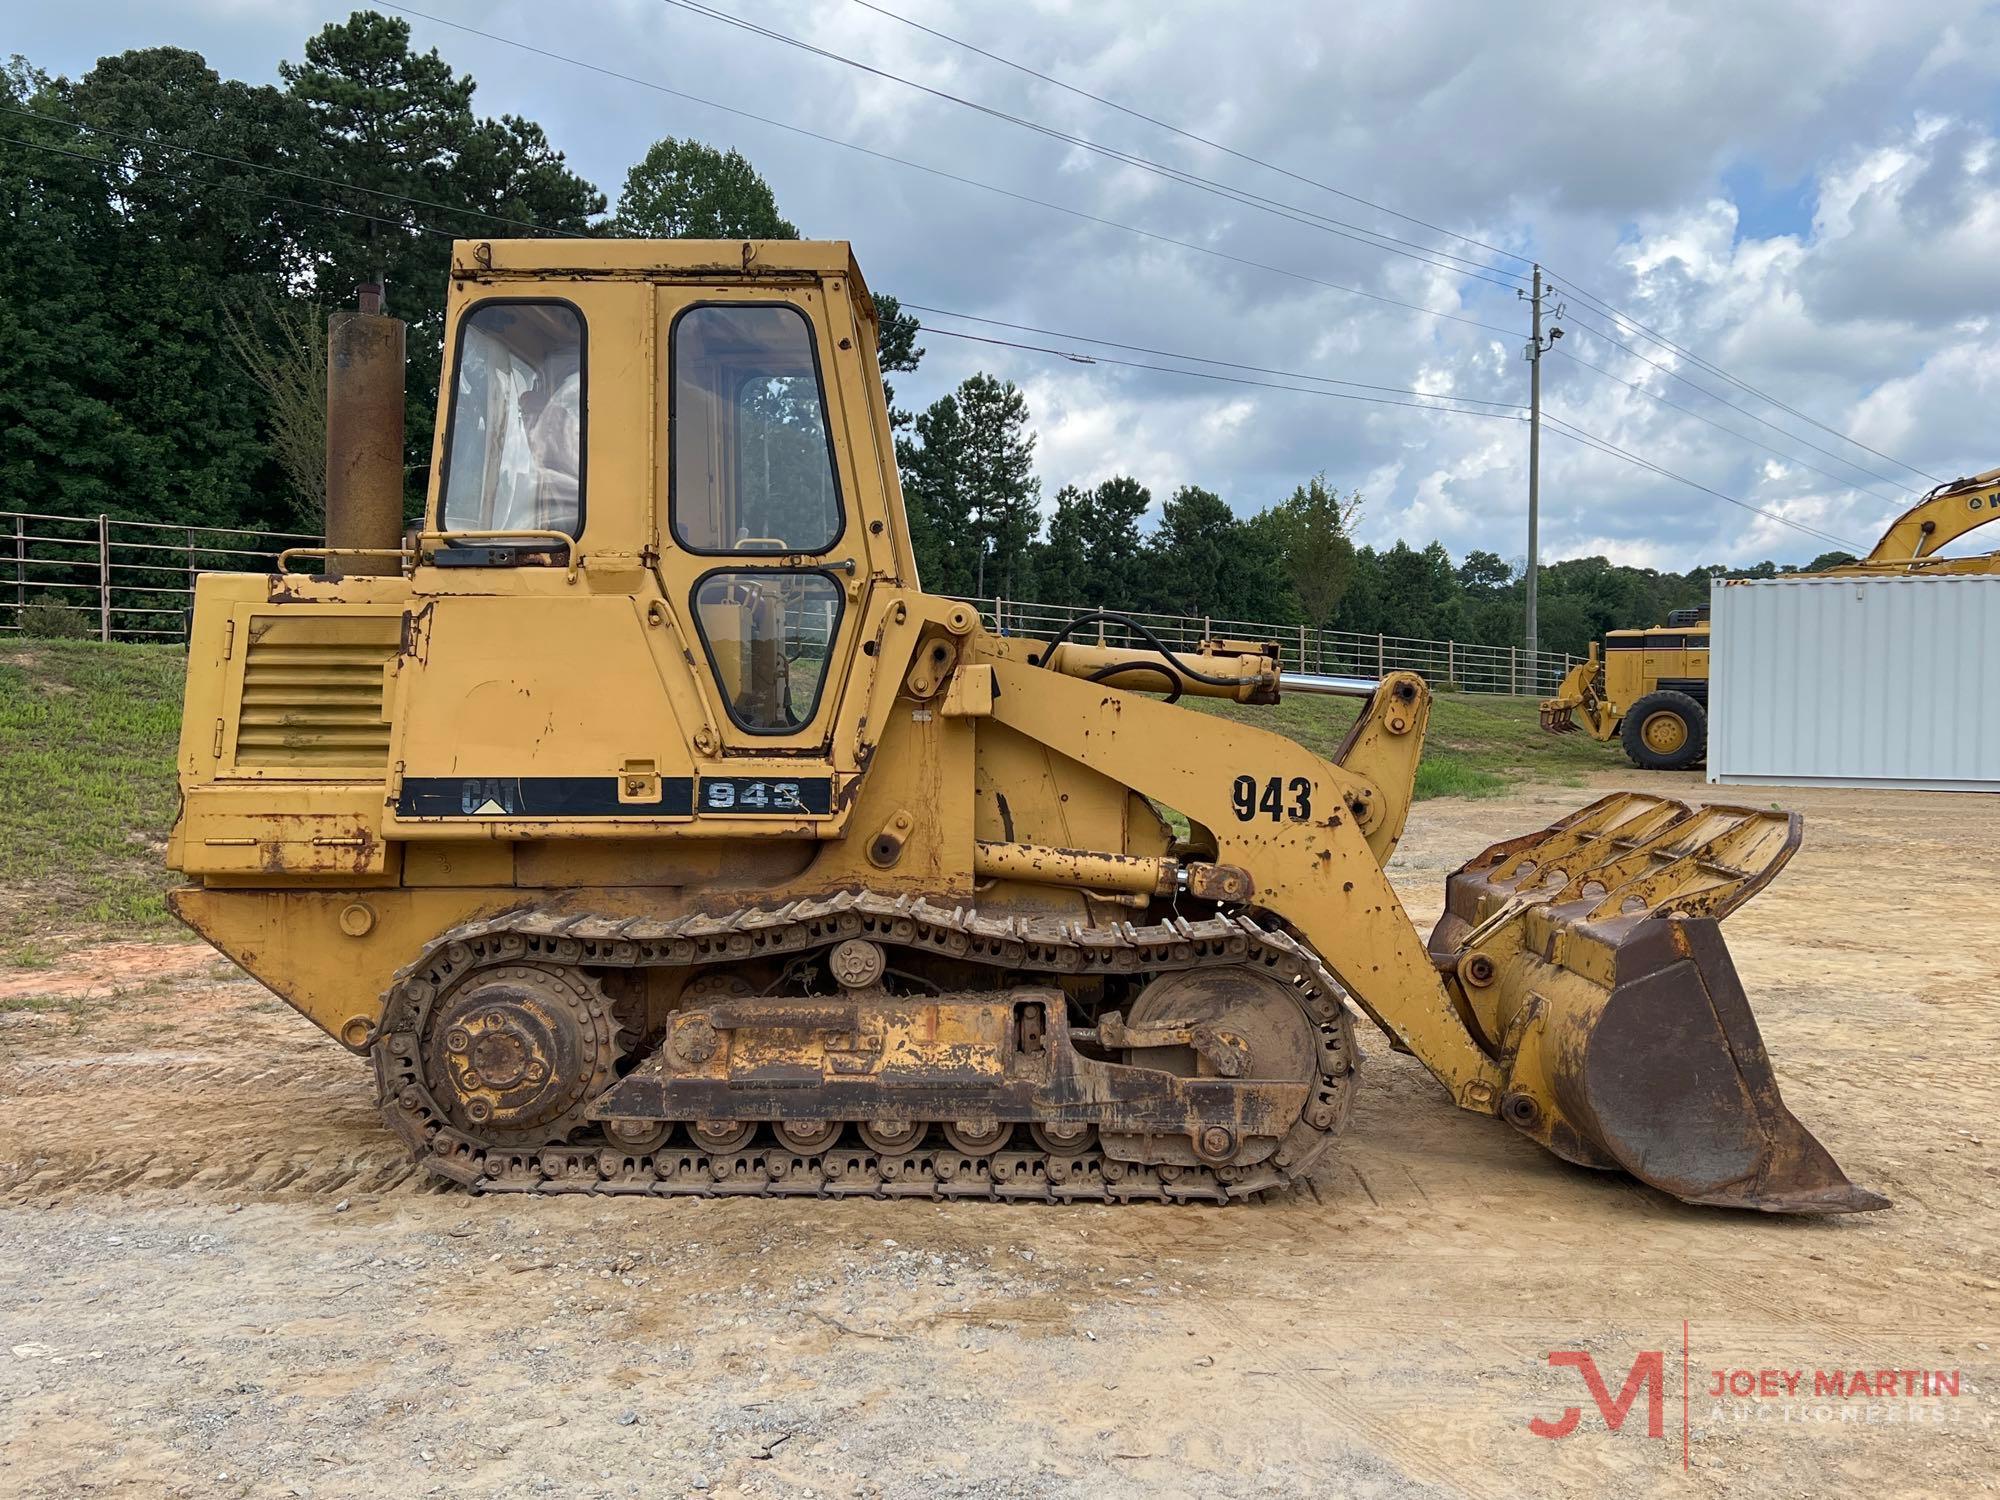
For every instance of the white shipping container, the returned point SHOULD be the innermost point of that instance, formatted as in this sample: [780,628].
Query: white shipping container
[1887,682]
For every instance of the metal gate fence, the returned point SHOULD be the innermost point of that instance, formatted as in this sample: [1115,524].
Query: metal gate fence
[134,581]
[120,580]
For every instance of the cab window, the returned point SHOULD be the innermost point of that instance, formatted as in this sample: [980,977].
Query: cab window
[768,633]
[747,430]
[515,461]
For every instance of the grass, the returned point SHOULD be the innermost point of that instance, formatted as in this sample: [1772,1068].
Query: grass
[87,789]
[1478,745]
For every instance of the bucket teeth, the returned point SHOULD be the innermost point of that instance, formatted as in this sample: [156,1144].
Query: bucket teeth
[1607,995]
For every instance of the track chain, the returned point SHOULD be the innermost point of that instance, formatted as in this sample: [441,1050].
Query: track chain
[765,1168]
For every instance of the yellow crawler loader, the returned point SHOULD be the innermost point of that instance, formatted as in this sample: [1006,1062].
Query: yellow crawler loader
[651,831]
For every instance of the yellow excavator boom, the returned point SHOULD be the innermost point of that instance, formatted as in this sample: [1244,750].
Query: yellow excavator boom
[1913,540]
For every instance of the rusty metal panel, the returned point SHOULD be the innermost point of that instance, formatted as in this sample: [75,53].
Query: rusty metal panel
[1885,682]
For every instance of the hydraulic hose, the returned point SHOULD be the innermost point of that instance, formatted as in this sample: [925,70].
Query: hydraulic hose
[1106,617]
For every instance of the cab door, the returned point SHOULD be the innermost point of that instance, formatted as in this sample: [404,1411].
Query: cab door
[762,550]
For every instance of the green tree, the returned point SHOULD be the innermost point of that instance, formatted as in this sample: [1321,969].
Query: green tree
[1113,550]
[1204,561]
[1062,563]
[394,121]
[898,352]
[688,190]
[935,496]
[117,262]
[1418,593]
[1484,573]
[970,486]
[1314,525]
[1000,473]
[1189,552]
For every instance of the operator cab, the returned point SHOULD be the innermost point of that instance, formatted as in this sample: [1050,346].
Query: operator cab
[703,412]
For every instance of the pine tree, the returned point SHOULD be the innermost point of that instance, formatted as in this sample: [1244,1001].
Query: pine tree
[1062,562]
[969,483]
[1112,548]
[1314,524]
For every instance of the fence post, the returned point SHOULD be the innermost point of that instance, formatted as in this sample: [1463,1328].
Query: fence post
[1381,657]
[1451,661]
[1302,650]
[1514,670]
[1207,629]
[20,568]
[104,578]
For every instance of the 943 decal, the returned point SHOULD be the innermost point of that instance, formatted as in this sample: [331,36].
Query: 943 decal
[1274,798]
[772,796]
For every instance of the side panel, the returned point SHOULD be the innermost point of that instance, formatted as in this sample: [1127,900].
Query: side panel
[285,732]
[535,711]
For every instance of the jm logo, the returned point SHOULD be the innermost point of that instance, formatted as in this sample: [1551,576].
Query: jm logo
[1648,1373]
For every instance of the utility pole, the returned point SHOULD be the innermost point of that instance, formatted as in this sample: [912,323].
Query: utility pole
[1537,347]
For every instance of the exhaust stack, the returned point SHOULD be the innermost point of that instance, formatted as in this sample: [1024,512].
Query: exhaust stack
[364,434]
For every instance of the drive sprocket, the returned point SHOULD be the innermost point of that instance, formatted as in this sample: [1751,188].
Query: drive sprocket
[514,1053]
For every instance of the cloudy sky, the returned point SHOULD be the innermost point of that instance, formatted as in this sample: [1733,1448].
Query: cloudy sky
[1800,200]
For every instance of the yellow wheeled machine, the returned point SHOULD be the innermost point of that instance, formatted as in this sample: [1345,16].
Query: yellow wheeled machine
[1646,688]
[651,831]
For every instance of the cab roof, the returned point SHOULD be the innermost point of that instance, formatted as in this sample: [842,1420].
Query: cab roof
[557,259]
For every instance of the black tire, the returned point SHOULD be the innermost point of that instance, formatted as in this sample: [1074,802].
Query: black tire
[1659,711]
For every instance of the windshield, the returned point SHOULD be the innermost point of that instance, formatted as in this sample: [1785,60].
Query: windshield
[752,458]
[516,459]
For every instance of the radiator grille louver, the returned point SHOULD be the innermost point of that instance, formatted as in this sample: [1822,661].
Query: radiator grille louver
[313,694]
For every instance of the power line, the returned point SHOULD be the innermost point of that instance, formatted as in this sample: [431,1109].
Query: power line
[1569,429]
[1190,135]
[529,224]
[1096,359]
[799,130]
[103,164]
[939,172]
[1672,373]
[253,166]
[1607,310]
[1605,307]
[1604,445]
[1375,239]
[1634,385]
[1202,359]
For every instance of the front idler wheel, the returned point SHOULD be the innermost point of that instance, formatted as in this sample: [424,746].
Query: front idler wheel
[1255,1029]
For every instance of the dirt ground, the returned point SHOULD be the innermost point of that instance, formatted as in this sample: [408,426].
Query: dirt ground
[222,1280]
